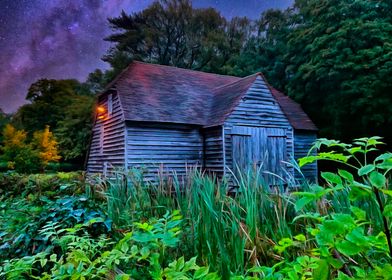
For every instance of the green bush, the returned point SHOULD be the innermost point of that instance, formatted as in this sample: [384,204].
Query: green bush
[142,253]
[50,185]
[22,222]
[340,229]
[3,166]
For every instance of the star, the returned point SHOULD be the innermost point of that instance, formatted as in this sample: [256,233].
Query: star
[64,38]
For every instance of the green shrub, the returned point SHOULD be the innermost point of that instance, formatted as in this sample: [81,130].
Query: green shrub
[50,185]
[139,254]
[347,220]
[22,221]
[336,230]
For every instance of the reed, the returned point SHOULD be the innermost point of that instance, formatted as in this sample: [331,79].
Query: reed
[229,232]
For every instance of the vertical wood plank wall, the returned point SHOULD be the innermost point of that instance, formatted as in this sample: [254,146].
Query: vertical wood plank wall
[177,147]
[303,141]
[173,147]
[258,108]
[113,128]
[213,151]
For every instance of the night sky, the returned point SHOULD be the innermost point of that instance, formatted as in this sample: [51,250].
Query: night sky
[64,38]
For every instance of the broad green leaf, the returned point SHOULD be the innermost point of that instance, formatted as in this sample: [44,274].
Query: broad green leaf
[334,156]
[383,157]
[355,150]
[145,253]
[315,216]
[385,165]
[180,263]
[302,202]
[346,219]
[338,264]
[332,226]
[366,169]
[359,213]
[387,192]
[201,272]
[377,179]
[331,177]
[346,175]
[322,271]
[373,141]
[324,237]
[358,237]
[387,211]
[347,248]
[300,237]
[342,276]
[360,273]
[306,160]
[212,276]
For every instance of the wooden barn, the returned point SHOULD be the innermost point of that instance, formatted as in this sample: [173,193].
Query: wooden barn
[166,118]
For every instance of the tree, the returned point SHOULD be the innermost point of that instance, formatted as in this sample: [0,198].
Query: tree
[340,63]
[46,146]
[4,120]
[172,32]
[66,107]
[17,153]
[74,130]
[265,50]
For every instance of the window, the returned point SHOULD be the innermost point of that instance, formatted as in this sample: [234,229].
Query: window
[110,104]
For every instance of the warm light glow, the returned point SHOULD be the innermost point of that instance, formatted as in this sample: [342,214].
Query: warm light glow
[101,112]
[101,109]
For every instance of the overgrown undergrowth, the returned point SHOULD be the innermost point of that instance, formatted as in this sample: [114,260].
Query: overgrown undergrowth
[126,228]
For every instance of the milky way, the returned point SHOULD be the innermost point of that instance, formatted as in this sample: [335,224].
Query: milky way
[64,38]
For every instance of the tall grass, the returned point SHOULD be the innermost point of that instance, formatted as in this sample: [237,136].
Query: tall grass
[227,231]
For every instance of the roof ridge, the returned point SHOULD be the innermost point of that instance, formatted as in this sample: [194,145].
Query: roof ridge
[239,80]
[183,69]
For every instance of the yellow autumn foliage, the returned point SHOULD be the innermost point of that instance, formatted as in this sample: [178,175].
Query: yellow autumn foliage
[13,138]
[46,145]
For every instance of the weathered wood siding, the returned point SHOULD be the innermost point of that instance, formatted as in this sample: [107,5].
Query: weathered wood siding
[303,141]
[213,151]
[163,148]
[107,147]
[258,108]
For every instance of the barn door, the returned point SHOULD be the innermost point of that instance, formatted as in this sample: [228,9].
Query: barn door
[241,150]
[261,148]
[277,151]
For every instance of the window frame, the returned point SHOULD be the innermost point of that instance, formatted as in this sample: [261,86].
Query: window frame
[110,104]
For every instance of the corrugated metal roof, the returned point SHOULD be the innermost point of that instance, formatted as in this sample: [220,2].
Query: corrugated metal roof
[157,93]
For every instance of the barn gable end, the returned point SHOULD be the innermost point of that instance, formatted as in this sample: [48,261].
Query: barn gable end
[107,150]
[257,109]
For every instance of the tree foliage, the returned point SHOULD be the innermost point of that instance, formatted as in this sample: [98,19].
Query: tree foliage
[66,107]
[334,57]
[339,60]
[17,153]
[174,33]
[46,145]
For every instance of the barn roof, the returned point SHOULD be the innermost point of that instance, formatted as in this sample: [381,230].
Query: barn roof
[157,93]
[293,111]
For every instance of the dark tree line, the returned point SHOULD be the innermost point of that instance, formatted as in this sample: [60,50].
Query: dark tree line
[332,56]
